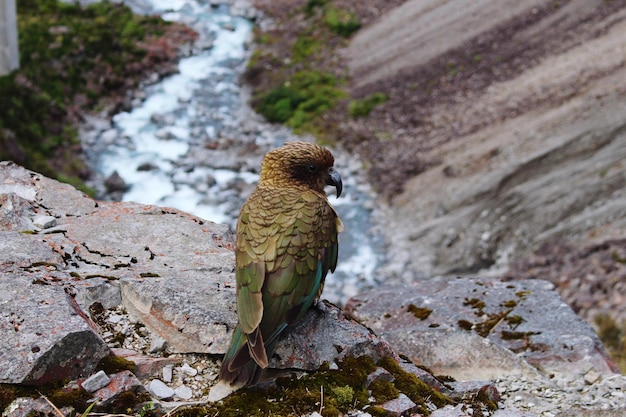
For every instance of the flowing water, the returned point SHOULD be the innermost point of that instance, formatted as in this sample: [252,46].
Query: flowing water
[191,142]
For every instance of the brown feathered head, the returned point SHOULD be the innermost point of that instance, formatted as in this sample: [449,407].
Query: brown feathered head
[300,164]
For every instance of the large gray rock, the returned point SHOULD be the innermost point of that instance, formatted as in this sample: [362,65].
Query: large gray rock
[326,334]
[474,328]
[172,268]
[173,271]
[42,338]
[170,271]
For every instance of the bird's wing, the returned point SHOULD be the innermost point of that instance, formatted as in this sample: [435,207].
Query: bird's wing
[284,251]
[306,249]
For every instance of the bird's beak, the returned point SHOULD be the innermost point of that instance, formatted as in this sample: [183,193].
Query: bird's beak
[334,179]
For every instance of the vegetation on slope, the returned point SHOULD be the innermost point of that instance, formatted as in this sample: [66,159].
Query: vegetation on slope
[75,60]
[296,74]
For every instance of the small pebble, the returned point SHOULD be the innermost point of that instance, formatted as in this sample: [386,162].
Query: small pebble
[45,222]
[167,373]
[183,392]
[188,370]
[158,344]
[160,390]
[96,381]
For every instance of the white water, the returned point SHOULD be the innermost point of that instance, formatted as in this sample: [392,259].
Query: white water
[180,113]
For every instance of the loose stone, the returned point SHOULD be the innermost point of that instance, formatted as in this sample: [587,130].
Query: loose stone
[160,390]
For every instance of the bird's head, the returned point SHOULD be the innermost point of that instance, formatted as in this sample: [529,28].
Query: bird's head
[303,164]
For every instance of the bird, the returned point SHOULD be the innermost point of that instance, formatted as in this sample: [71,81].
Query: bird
[286,242]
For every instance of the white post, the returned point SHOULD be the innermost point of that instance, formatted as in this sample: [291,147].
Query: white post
[9,54]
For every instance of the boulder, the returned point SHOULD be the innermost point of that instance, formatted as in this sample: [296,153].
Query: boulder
[483,328]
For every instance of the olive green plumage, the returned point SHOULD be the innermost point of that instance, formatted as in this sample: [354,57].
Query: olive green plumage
[286,244]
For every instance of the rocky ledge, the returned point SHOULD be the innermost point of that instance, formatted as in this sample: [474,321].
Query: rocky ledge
[133,301]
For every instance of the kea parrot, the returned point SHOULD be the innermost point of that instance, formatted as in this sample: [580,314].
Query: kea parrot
[286,244]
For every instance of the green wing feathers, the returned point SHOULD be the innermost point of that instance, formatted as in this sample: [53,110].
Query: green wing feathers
[286,244]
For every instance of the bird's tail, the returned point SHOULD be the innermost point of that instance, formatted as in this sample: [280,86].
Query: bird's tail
[238,367]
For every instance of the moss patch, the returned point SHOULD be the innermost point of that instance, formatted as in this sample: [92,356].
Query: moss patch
[421,313]
[489,320]
[75,397]
[418,391]
[291,79]
[613,336]
[363,107]
[334,392]
[113,364]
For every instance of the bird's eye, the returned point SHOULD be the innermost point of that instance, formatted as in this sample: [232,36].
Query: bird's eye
[312,168]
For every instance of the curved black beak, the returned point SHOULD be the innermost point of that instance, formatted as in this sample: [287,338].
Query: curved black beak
[334,179]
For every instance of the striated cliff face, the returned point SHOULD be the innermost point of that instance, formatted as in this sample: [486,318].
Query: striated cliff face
[505,128]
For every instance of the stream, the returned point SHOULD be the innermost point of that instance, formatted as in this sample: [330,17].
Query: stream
[191,142]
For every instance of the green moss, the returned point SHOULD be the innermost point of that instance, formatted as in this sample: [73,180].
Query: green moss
[362,108]
[61,397]
[475,303]
[514,320]
[483,397]
[69,397]
[613,336]
[508,335]
[279,105]
[377,411]
[383,391]
[304,47]
[112,364]
[342,22]
[418,391]
[421,313]
[337,390]
[129,400]
[149,275]
[343,395]
[509,303]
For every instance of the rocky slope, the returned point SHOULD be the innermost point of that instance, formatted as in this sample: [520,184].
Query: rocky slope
[504,132]
[502,140]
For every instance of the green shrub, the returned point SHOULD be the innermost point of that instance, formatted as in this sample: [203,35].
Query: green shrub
[304,47]
[305,96]
[278,105]
[342,22]
[362,108]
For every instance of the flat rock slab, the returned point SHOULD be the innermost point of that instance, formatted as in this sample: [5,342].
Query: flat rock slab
[192,312]
[483,328]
